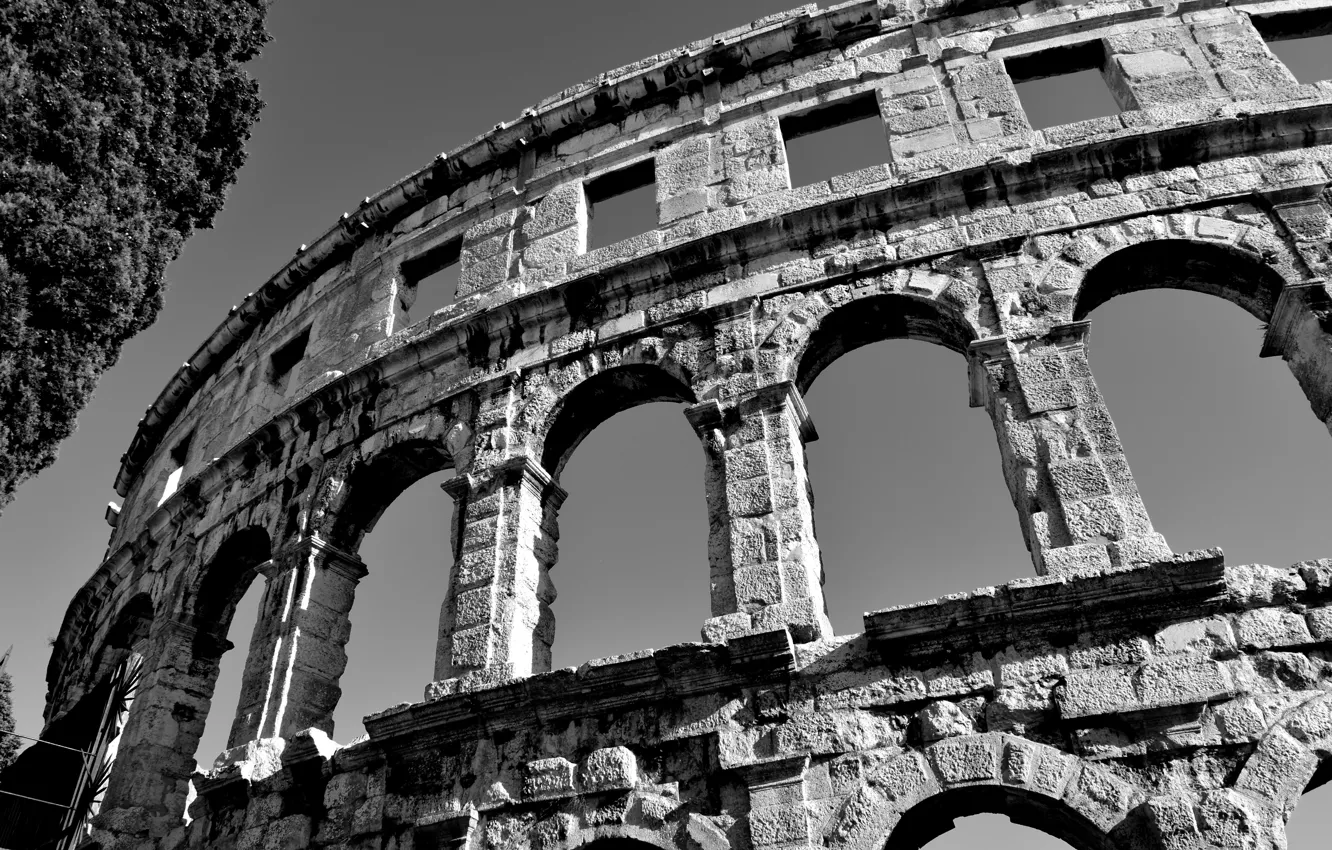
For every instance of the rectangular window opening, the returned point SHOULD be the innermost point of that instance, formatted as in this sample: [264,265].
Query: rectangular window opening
[1301,40]
[1062,85]
[284,360]
[622,204]
[180,455]
[838,138]
[430,282]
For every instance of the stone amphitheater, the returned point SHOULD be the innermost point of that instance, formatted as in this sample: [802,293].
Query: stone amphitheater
[1123,695]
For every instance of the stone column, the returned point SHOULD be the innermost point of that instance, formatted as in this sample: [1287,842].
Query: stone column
[764,558]
[497,615]
[1077,500]
[298,651]
[149,783]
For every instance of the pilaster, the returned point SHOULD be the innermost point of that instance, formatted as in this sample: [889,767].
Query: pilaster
[1070,482]
[298,649]
[764,558]
[497,613]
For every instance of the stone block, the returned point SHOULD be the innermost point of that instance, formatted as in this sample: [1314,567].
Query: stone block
[966,759]
[1320,623]
[905,780]
[1183,680]
[774,826]
[1154,64]
[943,719]
[613,768]
[1266,628]
[546,779]
[1098,691]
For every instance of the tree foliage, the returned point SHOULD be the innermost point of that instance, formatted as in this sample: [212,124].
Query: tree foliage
[9,745]
[122,124]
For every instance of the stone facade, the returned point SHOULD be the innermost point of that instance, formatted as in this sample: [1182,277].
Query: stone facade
[1124,695]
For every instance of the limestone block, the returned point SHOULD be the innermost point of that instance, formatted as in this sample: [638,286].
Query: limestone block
[943,719]
[1320,623]
[545,779]
[1099,796]
[1097,691]
[1266,628]
[1279,769]
[289,833]
[1208,636]
[1182,680]
[613,768]
[905,780]
[772,826]
[965,759]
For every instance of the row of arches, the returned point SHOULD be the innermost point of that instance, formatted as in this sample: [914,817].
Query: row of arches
[236,565]
[852,541]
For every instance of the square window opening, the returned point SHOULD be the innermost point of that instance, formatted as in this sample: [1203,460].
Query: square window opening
[622,204]
[1062,85]
[838,138]
[284,360]
[1301,40]
[429,282]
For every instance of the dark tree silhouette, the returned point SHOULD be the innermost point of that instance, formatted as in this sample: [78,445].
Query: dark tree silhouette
[122,124]
[9,745]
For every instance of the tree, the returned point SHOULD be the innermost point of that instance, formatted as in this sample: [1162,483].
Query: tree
[122,124]
[9,745]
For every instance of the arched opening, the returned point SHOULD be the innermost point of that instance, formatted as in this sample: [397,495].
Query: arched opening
[1181,264]
[1310,823]
[1220,441]
[1035,822]
[598,399]
[58,773]
[395,622]
[226,604]
[633,561]
[399,522]
[910,499]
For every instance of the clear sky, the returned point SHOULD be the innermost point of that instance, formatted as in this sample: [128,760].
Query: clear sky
[911,501]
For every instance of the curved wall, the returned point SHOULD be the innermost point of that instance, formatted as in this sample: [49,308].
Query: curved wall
[322,397]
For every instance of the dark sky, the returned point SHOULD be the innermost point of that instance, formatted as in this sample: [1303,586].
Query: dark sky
[911,501]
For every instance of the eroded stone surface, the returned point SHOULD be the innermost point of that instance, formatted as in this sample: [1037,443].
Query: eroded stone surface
[1138,696]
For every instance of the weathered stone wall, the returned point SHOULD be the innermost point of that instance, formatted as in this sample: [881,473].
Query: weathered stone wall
[1125,695]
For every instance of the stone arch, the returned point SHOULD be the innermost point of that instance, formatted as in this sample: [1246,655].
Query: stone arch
[643,820]
[1251,263]
[217,590]
[992,772]
[129,628]
[1294,756]
[839,330]
[1224,269]
[596,398]
[935,815]
[359,494]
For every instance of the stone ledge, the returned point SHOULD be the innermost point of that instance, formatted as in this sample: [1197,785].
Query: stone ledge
[1191,585]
